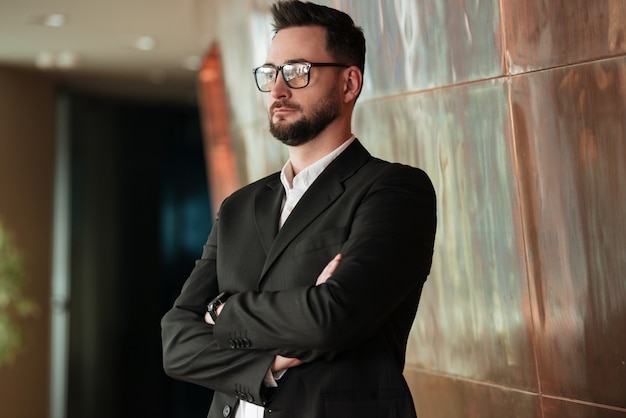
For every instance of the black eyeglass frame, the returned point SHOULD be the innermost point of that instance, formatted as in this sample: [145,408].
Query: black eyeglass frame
[279,68]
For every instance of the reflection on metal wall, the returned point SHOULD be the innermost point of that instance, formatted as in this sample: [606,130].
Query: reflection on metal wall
[517,110]
[221,166]
[573,184]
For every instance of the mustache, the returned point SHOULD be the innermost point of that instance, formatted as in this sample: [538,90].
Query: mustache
[284,104]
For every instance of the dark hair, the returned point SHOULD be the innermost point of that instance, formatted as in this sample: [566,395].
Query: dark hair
[344,40]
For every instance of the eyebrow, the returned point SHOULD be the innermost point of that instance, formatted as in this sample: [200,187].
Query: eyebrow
[291,61]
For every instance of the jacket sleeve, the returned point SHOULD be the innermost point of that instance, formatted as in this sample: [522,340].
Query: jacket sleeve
[190,350]
[386,257]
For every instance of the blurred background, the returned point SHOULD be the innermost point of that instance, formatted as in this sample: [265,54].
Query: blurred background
[124,124]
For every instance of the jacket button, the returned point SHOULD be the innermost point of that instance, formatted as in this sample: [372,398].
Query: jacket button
[226,411]
[246,343]
[232,343]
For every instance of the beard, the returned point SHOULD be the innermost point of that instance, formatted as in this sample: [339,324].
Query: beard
[307,127]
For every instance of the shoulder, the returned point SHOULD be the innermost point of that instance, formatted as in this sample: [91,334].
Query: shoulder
[246,194]
[382,171]
[269,182]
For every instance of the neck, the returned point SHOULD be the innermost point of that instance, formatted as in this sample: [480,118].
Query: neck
[327,141]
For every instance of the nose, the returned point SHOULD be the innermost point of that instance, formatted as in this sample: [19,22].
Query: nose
[280,89]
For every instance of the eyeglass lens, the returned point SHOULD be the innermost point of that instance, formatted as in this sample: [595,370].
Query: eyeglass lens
[296,76]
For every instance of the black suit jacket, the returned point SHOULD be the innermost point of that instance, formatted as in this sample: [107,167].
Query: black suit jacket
[350,332]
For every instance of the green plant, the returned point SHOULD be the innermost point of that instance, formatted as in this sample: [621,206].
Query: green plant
[13,303]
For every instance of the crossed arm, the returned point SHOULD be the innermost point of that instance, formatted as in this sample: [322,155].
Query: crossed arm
[280,362]
[391,238]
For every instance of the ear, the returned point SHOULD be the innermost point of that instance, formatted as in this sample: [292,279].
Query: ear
[353,82]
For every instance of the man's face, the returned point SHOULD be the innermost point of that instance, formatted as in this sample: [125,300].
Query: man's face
[297,116]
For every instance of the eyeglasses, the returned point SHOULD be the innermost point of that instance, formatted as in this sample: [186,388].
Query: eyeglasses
[295,74]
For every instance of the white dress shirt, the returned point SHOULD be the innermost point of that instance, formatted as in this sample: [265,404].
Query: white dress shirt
[295,187]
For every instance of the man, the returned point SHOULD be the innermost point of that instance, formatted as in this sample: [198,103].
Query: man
[312,276]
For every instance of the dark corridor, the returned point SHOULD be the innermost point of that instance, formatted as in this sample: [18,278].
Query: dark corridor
[140,215]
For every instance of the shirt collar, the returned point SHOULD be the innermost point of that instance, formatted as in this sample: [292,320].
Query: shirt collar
[307,176]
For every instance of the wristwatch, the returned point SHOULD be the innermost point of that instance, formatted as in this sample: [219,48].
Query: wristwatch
[211,307]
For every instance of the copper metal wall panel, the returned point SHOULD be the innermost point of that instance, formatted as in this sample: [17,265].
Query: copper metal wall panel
[415,45]
[527,294]
[412,45]
[244,36]
[570,130]
[439,396]
[474,314]
[561,408]
[261,153]
[550,33]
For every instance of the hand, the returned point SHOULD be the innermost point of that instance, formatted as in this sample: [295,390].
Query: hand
[283,363]
[328,270]
[207,317]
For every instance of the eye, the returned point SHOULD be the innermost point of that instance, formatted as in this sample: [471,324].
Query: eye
[265,77]
[268,73]
[292,71]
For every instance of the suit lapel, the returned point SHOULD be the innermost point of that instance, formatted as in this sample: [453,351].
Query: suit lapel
[322,193]
[267,206]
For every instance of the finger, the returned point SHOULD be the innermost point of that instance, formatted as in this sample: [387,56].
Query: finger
[328,270]
[330,267]
[333,264]
[324,275]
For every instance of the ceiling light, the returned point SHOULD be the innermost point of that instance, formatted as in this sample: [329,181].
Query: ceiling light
[44,60]
[63,60]
[55,20]
[67,60]
[145,43]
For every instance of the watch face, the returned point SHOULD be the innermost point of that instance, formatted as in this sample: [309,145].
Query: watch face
[212,306]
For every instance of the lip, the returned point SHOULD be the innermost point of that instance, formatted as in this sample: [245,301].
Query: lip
[283,107]
[283,110]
